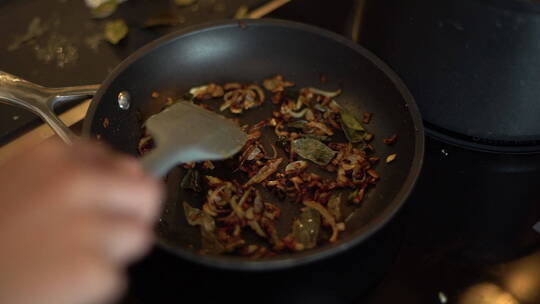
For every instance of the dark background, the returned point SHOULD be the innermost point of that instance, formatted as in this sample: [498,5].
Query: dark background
[465,233]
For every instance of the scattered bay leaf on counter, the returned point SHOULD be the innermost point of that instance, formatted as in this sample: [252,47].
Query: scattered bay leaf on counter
[94,40]
[306,228]
[116,30]
[105,9]
[313,150]
[35,29]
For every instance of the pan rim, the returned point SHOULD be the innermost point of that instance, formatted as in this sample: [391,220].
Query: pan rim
[237,263]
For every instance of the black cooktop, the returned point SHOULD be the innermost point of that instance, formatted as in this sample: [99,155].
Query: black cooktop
[466,235]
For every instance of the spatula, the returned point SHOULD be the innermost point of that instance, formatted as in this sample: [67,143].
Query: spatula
[185,132]
[182,133]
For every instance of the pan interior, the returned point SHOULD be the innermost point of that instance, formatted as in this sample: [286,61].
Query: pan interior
[250,53]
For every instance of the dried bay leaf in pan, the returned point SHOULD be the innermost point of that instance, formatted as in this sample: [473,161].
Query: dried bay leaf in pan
[306,228]
[353,136]
[313,150]
[209,242]
[350,121]
[116,30]
[334,205]
[191,180]
[352,127]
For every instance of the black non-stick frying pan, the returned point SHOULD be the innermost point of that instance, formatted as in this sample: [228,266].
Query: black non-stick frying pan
[250,51]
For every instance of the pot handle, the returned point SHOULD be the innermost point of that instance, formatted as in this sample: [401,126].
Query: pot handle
[42,101]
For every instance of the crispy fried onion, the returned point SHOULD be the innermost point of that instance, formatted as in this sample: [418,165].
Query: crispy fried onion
[328,219]
[298,185]
[353,167]
[309,115]
[219,196]
[277,84]
[235,208]
[208,91]
[296,167]
[313,112]
[241,97]
[270,168]
[145,144]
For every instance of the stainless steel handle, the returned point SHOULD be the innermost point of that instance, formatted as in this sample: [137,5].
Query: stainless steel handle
[41,100]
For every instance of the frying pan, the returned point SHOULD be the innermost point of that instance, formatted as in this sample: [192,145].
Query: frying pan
[248,51]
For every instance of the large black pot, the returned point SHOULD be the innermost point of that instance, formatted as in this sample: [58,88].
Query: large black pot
[472,65]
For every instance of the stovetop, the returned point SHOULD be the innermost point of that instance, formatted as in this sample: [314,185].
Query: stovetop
[466,235]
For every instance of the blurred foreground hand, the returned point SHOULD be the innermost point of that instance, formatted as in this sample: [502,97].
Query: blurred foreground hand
[71,219]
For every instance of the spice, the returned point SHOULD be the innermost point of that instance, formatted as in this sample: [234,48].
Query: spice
[208,91]
[265,172]
[367,117]
[390,140]
[277,84]
[390,158]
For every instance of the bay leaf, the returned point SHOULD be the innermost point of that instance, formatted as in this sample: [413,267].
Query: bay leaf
[116,30]
[191,180]
[313,150]
[306,228]
[334,205]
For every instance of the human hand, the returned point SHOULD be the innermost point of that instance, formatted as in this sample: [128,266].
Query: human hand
[71,218]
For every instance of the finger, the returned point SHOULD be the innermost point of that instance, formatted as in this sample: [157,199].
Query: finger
[126,239]
[117,189]
[118,239]
[126,165]
[97,281]
[141,197]
[98,156]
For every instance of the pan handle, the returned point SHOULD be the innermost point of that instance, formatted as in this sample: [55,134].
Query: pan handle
[42,101]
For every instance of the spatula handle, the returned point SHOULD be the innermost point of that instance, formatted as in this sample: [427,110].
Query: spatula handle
[42,101]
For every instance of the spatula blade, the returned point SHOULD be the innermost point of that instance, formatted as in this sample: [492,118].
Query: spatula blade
[185,132]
